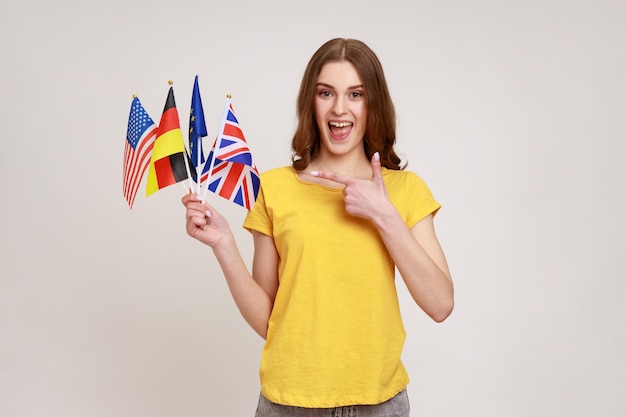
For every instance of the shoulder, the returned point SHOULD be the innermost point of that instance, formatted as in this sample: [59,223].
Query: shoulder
[277,178]
[275,174]
[409,191]
[401,178]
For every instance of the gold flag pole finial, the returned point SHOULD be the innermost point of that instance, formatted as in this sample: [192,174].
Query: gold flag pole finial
[134,95]
[170,82]
[228,96]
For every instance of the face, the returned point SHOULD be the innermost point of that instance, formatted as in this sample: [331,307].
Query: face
[340,110]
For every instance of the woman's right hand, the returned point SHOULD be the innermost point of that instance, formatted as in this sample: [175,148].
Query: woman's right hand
[203,222]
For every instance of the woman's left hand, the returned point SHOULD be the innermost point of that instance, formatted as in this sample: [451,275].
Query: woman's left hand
[363,198]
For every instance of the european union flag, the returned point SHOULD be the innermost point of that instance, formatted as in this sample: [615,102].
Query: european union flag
[197,126]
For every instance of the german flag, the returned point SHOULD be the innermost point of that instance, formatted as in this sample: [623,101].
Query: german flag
[167,165]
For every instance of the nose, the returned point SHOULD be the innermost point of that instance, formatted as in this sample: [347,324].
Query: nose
[339,106]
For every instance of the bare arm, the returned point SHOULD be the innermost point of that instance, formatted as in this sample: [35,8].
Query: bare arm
[254,297]
[421,262]
[416,251]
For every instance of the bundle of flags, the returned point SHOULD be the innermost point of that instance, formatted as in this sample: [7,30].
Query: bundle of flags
[228,170]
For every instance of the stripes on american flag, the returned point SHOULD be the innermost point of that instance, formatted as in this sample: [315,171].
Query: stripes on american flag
[140,138]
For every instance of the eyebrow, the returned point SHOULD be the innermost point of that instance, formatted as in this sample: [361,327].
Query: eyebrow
[354,87]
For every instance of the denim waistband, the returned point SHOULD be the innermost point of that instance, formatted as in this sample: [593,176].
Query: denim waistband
[397,406]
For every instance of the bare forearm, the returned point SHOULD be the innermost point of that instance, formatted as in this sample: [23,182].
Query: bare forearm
[427,277]
[252,301]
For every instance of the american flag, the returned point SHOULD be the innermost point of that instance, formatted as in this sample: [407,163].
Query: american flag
[234,175]
[140,138]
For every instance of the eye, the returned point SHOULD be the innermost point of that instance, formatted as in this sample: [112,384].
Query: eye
[356,95]
[324,93]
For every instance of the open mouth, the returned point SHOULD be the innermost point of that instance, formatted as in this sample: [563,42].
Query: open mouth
[340,130]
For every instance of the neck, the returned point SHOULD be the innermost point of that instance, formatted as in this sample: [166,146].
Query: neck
[354,165]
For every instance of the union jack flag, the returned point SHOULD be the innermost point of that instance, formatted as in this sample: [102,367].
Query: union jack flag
[233,174]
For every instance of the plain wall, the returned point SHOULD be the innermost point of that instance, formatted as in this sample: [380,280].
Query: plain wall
[512,112]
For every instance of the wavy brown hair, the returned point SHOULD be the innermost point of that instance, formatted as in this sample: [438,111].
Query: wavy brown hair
[380,130]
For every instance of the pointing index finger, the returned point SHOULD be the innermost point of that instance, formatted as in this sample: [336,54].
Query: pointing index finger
[333,176]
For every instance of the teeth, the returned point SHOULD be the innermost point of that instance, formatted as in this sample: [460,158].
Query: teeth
[340,124]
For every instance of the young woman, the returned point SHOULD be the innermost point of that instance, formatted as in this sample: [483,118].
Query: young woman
[329,232]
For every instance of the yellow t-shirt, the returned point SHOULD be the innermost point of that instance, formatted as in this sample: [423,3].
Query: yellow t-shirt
[335,334]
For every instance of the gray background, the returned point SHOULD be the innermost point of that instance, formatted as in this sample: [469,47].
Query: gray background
[511,111]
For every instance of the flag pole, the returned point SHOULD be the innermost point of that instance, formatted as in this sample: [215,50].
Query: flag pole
[199,168]
[170,82]
[187,158]
[188,172]
[198,176]
[195,107]
[218,143]
[198,165]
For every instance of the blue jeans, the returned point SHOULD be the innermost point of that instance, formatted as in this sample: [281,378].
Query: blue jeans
[398,406]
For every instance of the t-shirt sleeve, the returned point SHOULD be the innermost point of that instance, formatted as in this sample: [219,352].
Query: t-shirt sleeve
[420,200]
[258,218]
